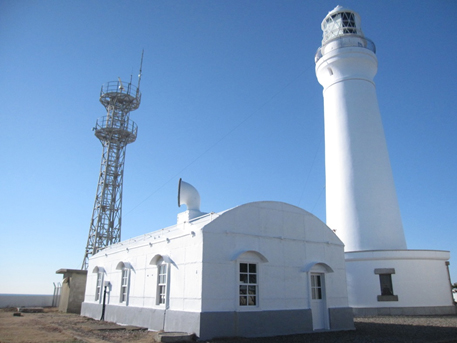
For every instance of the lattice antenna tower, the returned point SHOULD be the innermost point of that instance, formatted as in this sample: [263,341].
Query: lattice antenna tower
[115,131]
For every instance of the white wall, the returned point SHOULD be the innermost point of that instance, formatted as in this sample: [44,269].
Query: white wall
[420,280]
[289,238]
[182,245]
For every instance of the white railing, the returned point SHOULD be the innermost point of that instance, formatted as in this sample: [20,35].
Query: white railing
[345,42]
[108,122]
[118,87]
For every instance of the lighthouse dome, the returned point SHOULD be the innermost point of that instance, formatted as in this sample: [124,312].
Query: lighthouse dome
[339,22]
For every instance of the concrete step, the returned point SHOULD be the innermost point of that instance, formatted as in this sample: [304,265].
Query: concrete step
[170,337]
[120,328]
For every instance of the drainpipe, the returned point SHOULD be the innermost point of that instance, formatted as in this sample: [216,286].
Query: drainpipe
[104,300]
[450,282]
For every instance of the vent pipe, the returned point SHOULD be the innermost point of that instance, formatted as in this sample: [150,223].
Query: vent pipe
[189,196]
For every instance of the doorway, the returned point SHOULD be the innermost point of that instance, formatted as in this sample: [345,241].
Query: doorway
[318,303]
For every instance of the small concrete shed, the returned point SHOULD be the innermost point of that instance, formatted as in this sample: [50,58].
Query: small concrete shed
[73,289]
[259,269]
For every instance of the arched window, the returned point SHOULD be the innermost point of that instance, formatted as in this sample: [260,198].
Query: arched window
[248,284]
[163,263]
[162,281]
[124,285]
[248,264]
[99,284]
[125,281]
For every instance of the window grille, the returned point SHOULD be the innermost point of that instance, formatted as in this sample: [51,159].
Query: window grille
[124,285]
[162,284]
[98,289]
[248,286]
[316,287]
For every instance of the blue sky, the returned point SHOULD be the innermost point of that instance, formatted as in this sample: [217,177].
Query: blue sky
[230,103]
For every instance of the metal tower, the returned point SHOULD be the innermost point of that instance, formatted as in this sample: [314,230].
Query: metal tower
[115,131]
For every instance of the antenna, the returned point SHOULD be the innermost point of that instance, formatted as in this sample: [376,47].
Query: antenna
[141,70]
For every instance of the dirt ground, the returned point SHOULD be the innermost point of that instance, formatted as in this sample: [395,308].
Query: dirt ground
[52,326]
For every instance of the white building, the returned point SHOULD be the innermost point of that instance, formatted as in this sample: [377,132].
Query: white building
[362,208]
[260,269]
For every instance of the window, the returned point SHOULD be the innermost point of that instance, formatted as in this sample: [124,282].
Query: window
[163,264]
[125,268]
[338,24]
[98,289]
[348,22]
[248,275]
[162,283]
[248,287]
[124,285]
[343,20]
[316,287]
[100,271]
[386,285]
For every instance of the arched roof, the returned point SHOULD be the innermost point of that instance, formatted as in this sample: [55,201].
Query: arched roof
[274,219]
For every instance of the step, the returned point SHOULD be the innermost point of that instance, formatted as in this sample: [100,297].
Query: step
[169,337]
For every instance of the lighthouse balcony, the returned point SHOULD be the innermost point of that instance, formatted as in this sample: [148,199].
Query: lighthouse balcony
[345,41]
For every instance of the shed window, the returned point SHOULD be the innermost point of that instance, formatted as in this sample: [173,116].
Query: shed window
[124,285]
[98,289]
[162,283]
[248,287]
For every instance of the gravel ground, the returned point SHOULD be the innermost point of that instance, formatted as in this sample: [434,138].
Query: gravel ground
[377,329]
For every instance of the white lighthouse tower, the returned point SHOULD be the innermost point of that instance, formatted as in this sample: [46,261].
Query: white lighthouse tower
[362,208]
[362,205]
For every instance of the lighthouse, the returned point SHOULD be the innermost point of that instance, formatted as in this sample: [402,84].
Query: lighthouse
[361,205]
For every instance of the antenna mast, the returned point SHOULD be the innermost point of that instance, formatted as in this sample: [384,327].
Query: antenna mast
[141,71]
[115,131]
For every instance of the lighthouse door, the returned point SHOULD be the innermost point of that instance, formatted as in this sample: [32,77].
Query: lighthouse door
[318,303]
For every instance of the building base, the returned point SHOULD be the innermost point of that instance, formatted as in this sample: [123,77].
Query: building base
[209,325]
[405,311]
[399,282]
